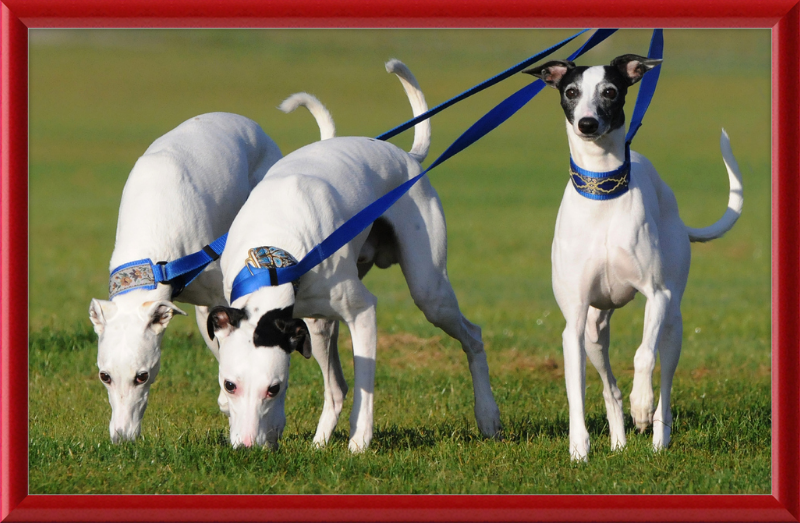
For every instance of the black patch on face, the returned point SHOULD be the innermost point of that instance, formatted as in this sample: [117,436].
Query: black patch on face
[221,317]
[277,328]
[610,111]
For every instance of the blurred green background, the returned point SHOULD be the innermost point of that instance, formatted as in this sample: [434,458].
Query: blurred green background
[98,98]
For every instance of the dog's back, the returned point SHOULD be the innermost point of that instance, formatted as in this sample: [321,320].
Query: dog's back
[185,190]
[315,189]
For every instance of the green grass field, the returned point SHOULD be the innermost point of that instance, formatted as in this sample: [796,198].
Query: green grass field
[99,98]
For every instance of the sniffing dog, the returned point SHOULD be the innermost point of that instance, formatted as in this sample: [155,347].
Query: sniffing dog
[307,195]
[181,194]
[605,251]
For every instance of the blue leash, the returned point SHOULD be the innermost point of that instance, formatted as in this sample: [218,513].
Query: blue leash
[144,274]
[613,184]
[251,278]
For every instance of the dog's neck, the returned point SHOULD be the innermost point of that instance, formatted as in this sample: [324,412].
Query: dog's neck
[602,155]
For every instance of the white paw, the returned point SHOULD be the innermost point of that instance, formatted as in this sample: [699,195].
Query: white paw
[661,435]
[579,448]
[618,441]
[357,446]
[642,409]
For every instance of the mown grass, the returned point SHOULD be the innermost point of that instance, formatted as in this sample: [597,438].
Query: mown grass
[98,98]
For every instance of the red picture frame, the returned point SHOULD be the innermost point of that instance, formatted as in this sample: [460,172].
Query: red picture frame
[782,16]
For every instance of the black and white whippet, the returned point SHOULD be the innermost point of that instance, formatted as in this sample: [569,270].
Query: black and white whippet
[618,231]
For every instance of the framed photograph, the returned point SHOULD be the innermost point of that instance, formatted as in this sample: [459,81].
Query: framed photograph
[86,87]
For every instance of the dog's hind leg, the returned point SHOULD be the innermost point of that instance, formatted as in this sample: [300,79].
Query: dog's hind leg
[362,322]
[324,347]
[669,350]
[438,303]
[597,341]
[422,243]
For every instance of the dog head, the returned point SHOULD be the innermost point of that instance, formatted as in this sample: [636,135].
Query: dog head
[256,342]
[129,355]
[593,97]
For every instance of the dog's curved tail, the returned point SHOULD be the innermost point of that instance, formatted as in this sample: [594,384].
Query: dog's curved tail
[324,119]
[735,198]
[422,131]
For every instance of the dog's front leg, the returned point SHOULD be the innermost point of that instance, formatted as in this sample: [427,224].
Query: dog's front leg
[598,338]
[363,331]
[645,359]
[575,377]
[324,347]
[201,316]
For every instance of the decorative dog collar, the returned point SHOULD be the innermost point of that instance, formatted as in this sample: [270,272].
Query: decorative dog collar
[139,274]
[601,186]
[144,274]
[260,270]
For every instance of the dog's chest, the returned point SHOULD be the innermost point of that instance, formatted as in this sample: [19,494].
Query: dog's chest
[599,250]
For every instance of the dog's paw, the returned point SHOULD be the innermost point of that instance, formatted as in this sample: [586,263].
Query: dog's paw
[642,418]
[357,446]
[489,421]
[579,449]
[642,408]
[320,441]
[661,434]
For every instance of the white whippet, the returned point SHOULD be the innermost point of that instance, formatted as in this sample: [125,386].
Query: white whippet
[308,194]
[182,194]
[606,250]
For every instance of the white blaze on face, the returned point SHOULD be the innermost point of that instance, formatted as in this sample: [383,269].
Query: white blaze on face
[254,380]
[128,358]
[586,107]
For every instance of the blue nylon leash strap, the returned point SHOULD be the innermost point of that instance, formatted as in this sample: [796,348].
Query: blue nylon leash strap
[613,184]
[249,280]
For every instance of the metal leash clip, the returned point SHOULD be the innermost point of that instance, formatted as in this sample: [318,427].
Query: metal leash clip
[252,260]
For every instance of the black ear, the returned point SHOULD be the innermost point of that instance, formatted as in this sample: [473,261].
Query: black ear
[551,72]
[296,332]
[223,319]
[633,66]
[277,328]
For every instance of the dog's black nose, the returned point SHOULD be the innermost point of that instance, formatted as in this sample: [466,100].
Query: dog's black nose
[588,125]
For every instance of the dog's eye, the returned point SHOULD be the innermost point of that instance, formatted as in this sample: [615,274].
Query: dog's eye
[610,93]
[230,386]
[571,93]
[141,378]
[274,390]
[105,377]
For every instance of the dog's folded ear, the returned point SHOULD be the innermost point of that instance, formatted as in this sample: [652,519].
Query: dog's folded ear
[633,66]
[551,72]
[299,338]
[278,328]
[159,313]
[222,320]
[100,311]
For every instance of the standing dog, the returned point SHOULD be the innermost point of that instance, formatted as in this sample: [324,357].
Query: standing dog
[182,194]
[307,196]
[604,251]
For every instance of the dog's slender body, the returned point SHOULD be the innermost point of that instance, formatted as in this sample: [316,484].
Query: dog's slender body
[181,194]
[323,185]
[606,251]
